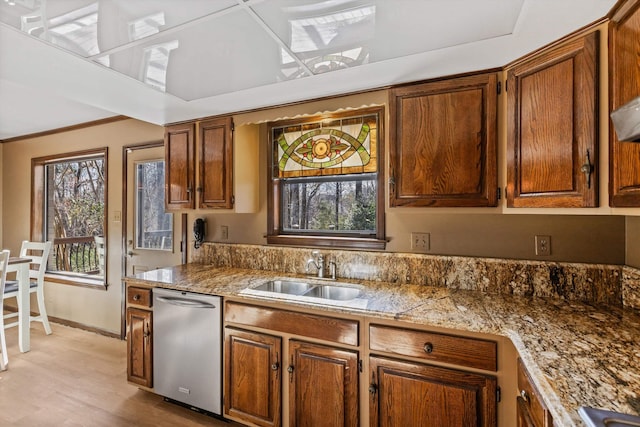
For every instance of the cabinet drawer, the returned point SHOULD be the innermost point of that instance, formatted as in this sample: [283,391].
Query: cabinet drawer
[531,399]
[308,325]
[463,351]
[140,297]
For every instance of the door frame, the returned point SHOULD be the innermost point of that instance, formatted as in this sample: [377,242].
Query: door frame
[123,264]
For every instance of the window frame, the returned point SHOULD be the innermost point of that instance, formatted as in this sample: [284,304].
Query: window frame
[38,202]
[277,236]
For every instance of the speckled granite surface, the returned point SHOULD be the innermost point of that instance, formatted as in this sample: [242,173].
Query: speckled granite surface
[593,283]
[578,354]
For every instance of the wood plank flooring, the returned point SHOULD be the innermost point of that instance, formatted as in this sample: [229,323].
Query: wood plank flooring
[78,378]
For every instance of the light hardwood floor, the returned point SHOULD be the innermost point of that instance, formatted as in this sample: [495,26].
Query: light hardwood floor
[78,378]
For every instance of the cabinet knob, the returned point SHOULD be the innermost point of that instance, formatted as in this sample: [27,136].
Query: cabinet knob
[136,297]
[524,395]
[290,369]
[428,348]
[275,366]
[373,389]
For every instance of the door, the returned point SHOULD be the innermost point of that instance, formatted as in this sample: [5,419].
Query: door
[323,386]
[150,237]
[410,394]
[252,377]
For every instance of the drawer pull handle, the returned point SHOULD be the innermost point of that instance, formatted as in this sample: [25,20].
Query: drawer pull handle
[524,395]
[136,297]
[428,348]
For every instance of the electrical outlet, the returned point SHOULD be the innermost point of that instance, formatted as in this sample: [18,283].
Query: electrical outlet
[224,232]
[543,245]
[420,242]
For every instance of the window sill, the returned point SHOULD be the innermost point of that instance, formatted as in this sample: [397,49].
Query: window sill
[327,242]
[82,281]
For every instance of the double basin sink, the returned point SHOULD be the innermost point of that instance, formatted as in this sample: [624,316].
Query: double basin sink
[335,294]
[290,287]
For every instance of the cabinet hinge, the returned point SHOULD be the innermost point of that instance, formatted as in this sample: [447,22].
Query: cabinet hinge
[498,394]
[233,126]
[499,193]
[360,365]
[506,85]
[233,199]
[499,88]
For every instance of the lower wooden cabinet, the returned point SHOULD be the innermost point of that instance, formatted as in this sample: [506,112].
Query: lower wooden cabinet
[139,336]
[140,347]
[252,377]
[411,394]
[532,411]
[323,385]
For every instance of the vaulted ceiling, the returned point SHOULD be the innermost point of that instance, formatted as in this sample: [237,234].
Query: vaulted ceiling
[64,62]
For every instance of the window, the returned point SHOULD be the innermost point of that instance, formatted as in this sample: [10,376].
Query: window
[68,208]
[153,226]
[326,181]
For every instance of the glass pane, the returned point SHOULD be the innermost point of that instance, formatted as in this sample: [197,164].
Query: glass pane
[74,215]
[340,206]
[154,227]
[335,147]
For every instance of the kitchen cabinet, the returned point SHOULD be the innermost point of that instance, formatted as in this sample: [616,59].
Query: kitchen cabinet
[552,119]
[323,385]
[443,142]
[624,85]
[531,410]
[214,139]
[321,378]
[216,163]
[252,376]
[139,337]
[406,392]
[179,145]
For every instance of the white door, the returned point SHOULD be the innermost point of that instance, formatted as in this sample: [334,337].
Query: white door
[150,236]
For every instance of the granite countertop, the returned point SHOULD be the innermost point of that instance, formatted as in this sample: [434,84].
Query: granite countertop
[577,354]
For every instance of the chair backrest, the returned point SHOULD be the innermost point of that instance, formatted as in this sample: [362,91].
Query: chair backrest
[100,252]
[4,258]
[39,254]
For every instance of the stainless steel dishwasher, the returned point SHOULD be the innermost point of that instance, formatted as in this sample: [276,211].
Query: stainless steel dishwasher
[187,355]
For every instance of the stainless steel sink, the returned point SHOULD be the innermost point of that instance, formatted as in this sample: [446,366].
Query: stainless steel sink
[602,418]
[337,293]
[303,291]
[284,287]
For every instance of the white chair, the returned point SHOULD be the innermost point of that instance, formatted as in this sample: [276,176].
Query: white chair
[4,360]
[100,252]
[39,254]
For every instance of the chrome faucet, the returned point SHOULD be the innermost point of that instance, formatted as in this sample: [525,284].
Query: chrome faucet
[317,259]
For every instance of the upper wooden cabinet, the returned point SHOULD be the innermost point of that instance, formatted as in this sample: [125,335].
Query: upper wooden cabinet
[215,160]
[179,143]
[624,85]
[552,135]
[216,163]
[443,143]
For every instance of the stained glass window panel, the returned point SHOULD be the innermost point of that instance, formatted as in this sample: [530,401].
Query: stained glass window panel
[330,147]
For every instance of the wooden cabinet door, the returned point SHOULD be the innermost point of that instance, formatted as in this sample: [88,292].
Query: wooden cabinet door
[624,85]
[216,163]
[552,118]
[139,347]
[323,386]
[413,395]
[252,377]
[179,166]
[443,143]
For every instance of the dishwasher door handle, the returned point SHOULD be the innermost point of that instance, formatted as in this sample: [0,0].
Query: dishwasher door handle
[183,302]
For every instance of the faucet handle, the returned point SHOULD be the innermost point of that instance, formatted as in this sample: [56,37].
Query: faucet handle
[317,255]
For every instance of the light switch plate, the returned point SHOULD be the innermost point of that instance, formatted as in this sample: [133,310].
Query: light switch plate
[420,242]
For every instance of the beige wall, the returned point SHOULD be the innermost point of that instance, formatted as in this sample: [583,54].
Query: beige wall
[487,232]
[1,194]
[95,308]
